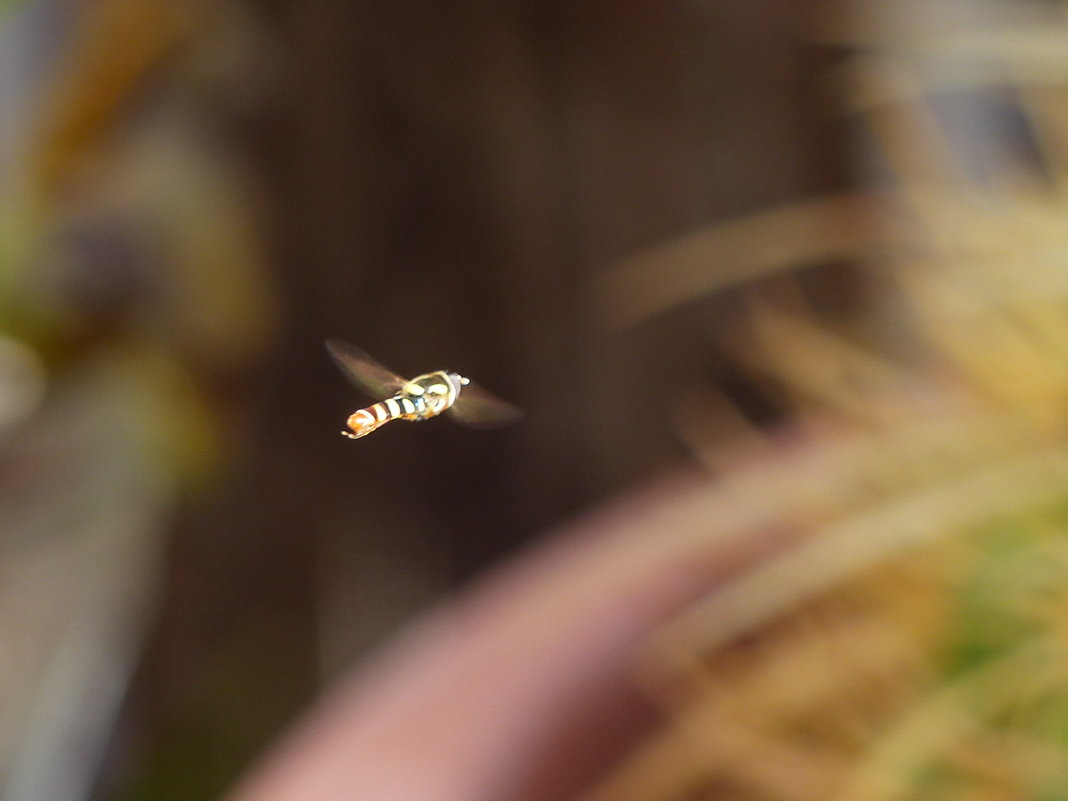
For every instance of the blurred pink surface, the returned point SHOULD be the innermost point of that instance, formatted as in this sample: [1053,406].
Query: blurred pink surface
[523,687]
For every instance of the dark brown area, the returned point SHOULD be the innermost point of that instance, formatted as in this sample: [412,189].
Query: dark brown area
[447,180]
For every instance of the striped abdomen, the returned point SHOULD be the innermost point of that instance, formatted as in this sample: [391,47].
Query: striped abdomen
[399,407]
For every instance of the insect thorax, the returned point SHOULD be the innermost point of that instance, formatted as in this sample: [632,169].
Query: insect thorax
[433,392]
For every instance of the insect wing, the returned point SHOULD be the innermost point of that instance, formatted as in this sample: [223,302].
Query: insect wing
[363,371]
[476,407]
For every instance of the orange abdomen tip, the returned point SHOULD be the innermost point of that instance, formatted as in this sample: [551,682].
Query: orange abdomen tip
[362,423]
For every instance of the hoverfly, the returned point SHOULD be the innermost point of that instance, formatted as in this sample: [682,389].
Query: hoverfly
[421,398]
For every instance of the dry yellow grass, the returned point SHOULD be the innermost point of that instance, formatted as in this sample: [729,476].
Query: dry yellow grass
[912,643]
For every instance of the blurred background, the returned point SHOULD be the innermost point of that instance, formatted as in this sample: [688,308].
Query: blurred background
[668,231]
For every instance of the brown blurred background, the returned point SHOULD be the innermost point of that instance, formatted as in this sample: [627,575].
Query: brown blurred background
[218,189]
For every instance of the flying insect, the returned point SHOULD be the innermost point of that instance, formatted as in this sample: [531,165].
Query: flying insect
[419,398]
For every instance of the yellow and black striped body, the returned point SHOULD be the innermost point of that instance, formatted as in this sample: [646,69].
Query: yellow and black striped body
[421,398]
